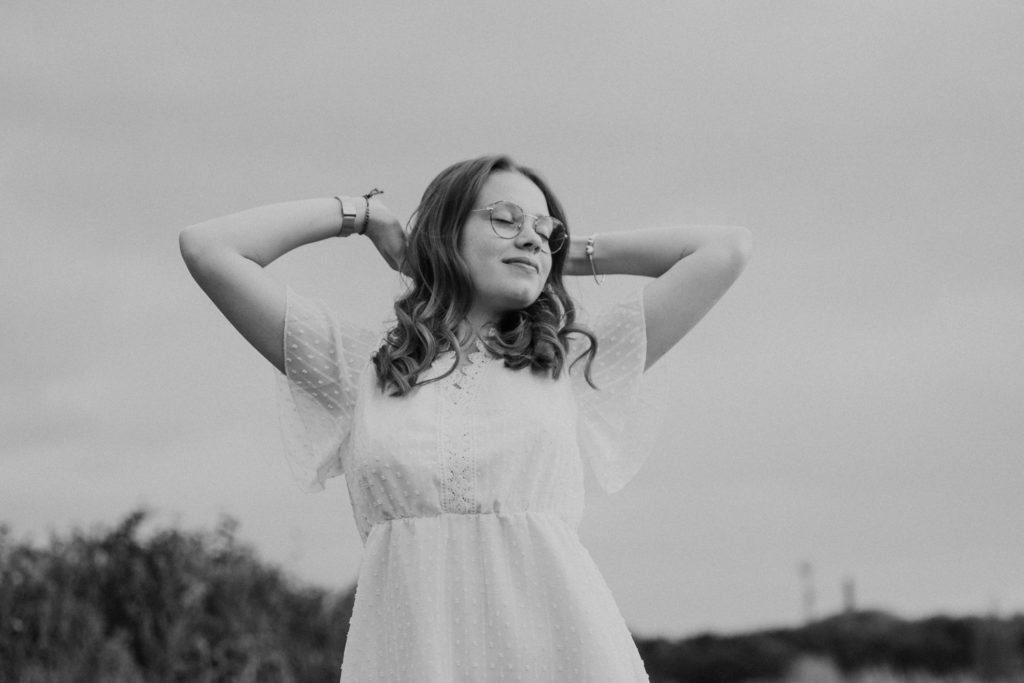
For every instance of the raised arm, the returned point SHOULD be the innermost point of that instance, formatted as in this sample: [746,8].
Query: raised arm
[227,256]
[694,266]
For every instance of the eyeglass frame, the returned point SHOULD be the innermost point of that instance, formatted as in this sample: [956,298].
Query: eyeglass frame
[519,226]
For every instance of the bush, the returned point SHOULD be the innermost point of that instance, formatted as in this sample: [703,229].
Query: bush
[110,605]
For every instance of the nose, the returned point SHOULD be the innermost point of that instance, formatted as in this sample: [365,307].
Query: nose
[528,238]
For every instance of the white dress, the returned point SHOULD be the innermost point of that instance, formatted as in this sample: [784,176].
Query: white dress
[467,494]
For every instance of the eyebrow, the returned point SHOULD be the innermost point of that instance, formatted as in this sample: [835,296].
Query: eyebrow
[509,201]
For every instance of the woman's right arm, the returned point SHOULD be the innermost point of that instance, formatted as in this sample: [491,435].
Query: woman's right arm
[227,256]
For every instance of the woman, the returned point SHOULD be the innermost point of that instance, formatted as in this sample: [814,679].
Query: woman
[462,433]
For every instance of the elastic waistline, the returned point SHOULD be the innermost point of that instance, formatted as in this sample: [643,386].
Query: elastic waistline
[461,516]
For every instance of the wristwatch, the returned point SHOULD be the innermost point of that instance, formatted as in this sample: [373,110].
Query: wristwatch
[348,218]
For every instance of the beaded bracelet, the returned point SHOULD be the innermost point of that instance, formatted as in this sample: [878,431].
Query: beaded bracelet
[366,221]
[589,250]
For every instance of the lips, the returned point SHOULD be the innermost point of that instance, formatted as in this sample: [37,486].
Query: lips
[523,261]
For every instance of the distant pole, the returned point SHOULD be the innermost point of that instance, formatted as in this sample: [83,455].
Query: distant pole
[849,596]
[807,583]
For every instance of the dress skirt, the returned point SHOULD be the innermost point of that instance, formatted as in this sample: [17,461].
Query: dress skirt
[484,598]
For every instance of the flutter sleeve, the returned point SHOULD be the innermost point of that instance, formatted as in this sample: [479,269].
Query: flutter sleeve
[618,422]
[324,358]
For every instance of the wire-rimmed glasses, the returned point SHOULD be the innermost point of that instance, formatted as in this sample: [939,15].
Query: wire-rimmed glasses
[507,220]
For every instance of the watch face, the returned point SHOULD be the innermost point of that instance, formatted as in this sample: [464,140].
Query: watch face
[348,217]
[345,211]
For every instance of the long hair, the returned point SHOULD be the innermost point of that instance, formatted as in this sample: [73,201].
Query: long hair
[440,293]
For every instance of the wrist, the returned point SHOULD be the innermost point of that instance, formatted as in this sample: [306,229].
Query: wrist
[353,215]
[374,223]
[362,222]
[366,209]
[576,258]
[585,257]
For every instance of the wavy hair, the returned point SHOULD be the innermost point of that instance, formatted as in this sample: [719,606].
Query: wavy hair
[440,292]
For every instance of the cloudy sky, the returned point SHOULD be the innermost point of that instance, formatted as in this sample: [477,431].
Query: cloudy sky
[854,402]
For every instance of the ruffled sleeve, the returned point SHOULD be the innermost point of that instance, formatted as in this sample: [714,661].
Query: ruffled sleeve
[618,422]
[324,358]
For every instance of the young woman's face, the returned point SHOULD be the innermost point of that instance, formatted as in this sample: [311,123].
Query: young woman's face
[507,274]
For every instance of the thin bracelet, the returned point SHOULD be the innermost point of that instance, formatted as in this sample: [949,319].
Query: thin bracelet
[366,220]
[590,257]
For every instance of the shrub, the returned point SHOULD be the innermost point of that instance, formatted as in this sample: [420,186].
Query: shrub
[175,606]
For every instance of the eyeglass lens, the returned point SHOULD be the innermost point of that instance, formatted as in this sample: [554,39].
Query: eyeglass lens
[507,220]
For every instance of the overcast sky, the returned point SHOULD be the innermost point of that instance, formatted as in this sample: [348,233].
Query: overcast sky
[854,402]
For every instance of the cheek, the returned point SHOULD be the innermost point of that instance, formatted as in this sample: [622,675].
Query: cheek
[478,252]
[483,275]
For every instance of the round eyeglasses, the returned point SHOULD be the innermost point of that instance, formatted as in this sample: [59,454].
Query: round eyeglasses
[507,220]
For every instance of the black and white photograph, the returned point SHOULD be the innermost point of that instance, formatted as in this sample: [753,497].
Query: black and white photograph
[669,342]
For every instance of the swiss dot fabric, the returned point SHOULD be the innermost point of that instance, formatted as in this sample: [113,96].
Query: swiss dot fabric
[323,359]
[619,422]
[468,493]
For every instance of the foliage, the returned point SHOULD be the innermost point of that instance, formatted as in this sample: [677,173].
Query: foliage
[708,658]
[110,605]
[814,669]
[859,644]
[118,605]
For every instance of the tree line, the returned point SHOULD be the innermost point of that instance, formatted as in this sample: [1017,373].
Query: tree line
[113,604]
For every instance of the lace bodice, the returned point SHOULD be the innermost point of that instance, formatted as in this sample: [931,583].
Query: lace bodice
[483,439]
[457,466]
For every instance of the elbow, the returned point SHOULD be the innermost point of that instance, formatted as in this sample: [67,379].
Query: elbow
[735,246]
[188,244]
[743,244]
[733,252]
[196,249]
[743,249]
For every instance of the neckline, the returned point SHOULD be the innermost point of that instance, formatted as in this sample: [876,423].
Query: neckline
[475,354]
[476,348]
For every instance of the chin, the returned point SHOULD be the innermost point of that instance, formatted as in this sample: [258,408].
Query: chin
[518,303]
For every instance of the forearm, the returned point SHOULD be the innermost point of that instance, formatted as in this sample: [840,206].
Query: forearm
[267,232]
[650,252]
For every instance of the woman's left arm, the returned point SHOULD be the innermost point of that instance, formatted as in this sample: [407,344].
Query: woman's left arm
[694,266]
